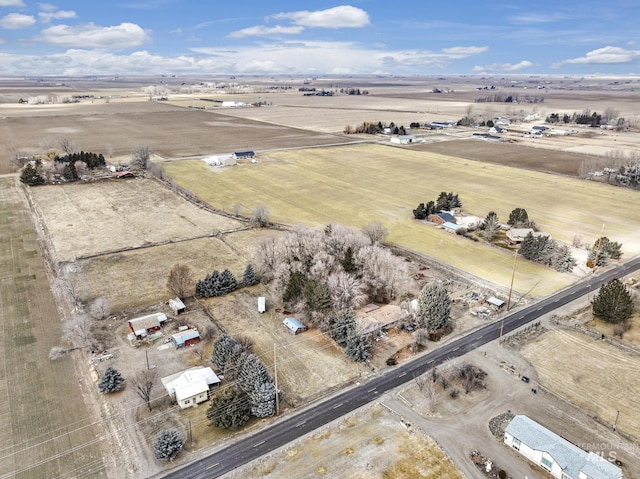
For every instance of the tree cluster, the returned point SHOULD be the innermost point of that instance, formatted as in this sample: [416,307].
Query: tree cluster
[216,284]
[321,272]
[73,165]
[372,128]
[603,251]
[357,347]
[613,303]
[444,202]
[254,387]
[168,445]
[544,250]
[353,91]
[32,174]
[111,381]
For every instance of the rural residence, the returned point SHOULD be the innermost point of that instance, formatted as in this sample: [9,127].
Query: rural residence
[372,318]
[146,325]
[177,306]
[185,338]
[517,235]
[441,218]
[191,387]
[294,325]
[559,457]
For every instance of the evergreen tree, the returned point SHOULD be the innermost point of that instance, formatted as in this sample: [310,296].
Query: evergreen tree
[518,217]
[167,445]
[605,249]
[430,208]
[222,348]
[295,287]
[249,278]
[613,302]
[252,371]
[348,262]
[31,176]
[344,326]
[229,408]
[227,283]
[317,296]
[111,381]
[420,212]
[358,348]
[263,399]
[434,307]
[442,202]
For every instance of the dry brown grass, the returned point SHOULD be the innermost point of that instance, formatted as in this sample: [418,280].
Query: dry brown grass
[593,374]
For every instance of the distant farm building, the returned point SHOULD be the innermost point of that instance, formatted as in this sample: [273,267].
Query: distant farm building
[451,227]
[294,325]
[244,155]
[403,139]
[560,458]
[177,306]
[185,338]
[145,325]
[125,174]
[441,218]
[221,160]
[493,301]
[191,387]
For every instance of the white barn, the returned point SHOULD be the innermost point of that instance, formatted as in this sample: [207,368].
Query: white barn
[562,459]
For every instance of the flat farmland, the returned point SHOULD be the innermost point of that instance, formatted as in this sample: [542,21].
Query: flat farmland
[135,279]
[309,364]
[93,218]
[46,426]
[116,128]
[371,443]
[595,375]
[357,184]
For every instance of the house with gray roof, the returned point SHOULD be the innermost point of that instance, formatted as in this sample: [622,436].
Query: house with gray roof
[559,457]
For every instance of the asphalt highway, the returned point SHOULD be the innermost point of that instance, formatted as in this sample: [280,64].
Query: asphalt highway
[311,418]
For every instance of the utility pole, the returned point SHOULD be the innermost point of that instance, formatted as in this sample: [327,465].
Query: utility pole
[146,352]
[513,274]
[616,421]
[275,374]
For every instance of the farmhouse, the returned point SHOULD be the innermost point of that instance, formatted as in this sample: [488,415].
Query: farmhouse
[185,338]
[294,325]
[403,139]
[243,155]
[372,318]
[191,387]
[177,306]
[145,325]
[562,459]
[516,236]
[441,218]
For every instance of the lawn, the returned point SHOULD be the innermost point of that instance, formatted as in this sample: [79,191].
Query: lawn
[48,431]
[358,184]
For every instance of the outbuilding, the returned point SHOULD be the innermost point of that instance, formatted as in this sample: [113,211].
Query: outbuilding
[244,155]
[262,304]
[294,325]
[145,325]
[177,306]
[185,338]
[403,139]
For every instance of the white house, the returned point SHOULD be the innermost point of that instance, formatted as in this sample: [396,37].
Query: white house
[562,459]
[403,139]
[191,387]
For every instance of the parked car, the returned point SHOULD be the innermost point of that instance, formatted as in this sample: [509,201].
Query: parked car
[525,379]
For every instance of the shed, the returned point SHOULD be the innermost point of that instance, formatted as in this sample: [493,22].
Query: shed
[243,155]
[294,325]
[191,387]
[559,457]
[125,174]
[498,303]
[262,304]
[451,227]
[145,325]
[403,139]
[177,306]
[185,338]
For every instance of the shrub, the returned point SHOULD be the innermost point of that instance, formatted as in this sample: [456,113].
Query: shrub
[167,445]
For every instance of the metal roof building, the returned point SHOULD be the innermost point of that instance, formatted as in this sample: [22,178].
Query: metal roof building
[562,459]
[294,325]
[185,338]
[190,387]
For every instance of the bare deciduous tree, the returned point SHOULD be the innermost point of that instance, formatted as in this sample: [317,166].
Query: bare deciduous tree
[141,155]
[180,280]
[77,330]
[236,209]
[260,216]
[347,291]
[67,145]
[375,231]
[143,384]
[100,308]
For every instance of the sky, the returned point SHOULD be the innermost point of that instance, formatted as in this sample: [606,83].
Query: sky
[362,37]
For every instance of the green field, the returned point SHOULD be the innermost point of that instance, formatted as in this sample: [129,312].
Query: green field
[46,427]
[357,184]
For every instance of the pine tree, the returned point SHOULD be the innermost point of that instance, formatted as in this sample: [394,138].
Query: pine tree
[229,408]
[344,326]
[227,283]
[30,175]
[317,296]
[434,307]
[249,278]
[613,302]
[420,212]
[222,350]
[358,348]
[234,361]
[263,399]
[167,445]
[111,381]
[518,217]
[348,262]
[295,287]
[252,370]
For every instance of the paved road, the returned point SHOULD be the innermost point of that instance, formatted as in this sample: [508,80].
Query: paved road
[285,431]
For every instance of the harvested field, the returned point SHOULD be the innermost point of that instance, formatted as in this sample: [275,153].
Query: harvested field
[85,219]
[47,429]
[309,364]
[592,374]
[135,279]
[357,184]
[355,447]
[507,154]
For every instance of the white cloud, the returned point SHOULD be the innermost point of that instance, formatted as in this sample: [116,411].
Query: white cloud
[532,18]
[462,52]
[263,31]
[344,16]
[125,35]
[11,3]
[503,67]
[47,7]
[606,55]
[47,16]
[14,21]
